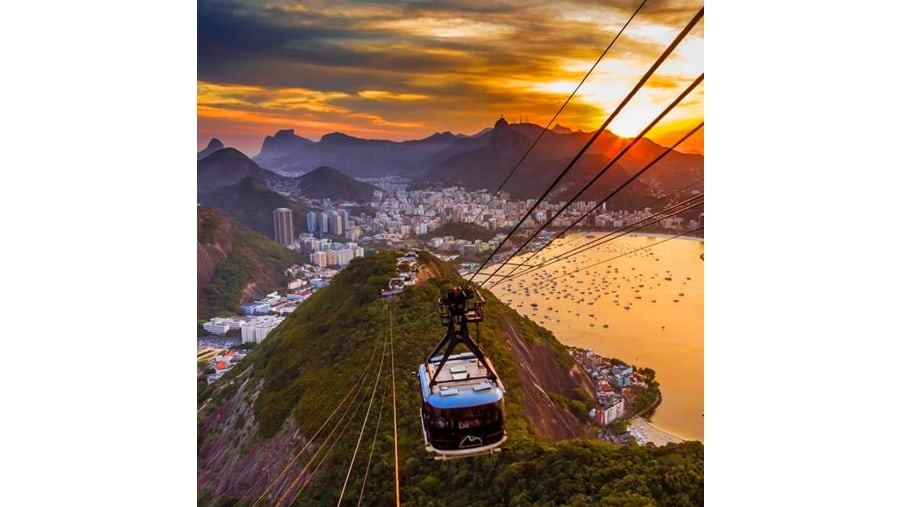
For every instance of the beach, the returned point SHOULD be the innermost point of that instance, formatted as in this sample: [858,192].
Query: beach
[645,432]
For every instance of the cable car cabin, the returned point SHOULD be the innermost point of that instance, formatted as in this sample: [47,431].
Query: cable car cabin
[395,286]
[462,397]
[463,409]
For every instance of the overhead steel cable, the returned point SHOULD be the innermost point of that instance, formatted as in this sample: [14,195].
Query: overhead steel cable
[309,441]
[605,168]
[650,204]
[602,128]
[309,477]
[327,438]
[618,233]
[673,210]
[623,255]
[362,429]
[362,487]
[555,116]
[305,474]
[615,191]
[394,398]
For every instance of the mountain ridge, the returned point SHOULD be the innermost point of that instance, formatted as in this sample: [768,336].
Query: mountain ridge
[483,160]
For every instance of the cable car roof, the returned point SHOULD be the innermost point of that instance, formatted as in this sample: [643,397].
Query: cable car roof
[461,383]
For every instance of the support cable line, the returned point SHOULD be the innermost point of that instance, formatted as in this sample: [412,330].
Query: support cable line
[596,135]
[356,390]
[610,195]
[305,474]
[312,473]
[364,423]
[309,441]
[362,488]
[560,110]
[642,224]
[651,204]
[671,211]
[685,233]
[394,397]
[603,171]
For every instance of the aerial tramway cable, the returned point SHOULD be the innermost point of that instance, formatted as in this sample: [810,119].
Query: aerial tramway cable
[355,392]
[362,487]
[308,478]
[600,173]
[329,439]
[309,441]
[555,116]
[582,248]
[588,212]
[618,233]
[651,204]
[625,254]
[364,423]
[394,397]
[596,135]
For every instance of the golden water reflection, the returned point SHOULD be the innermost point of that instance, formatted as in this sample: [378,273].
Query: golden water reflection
[645,308]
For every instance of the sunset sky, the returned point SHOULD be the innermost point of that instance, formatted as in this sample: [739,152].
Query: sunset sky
[406,69]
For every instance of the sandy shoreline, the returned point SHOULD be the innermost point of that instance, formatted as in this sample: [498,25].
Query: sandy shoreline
[650,433]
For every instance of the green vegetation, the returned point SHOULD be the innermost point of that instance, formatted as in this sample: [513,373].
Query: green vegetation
[250,253]
[207,228]
[579,407]
[251,203]
[462,230]
[224,291]
[648,398]
[308,365]
[328,182]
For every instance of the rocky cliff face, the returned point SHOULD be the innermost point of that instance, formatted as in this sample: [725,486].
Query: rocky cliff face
[235,264]
[215,239]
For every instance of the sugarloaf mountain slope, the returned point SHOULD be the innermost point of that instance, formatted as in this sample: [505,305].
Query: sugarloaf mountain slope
[284,427]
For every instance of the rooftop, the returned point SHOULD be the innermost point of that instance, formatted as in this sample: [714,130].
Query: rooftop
[461,382]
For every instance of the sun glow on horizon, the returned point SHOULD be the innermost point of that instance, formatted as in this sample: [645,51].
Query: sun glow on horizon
[390,72]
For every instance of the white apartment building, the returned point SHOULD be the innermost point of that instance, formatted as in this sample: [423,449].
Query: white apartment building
[257,329]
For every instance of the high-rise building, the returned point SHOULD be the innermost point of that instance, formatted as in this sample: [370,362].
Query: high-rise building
[323,222]
[319,259]
[334,223]
[311,221]
[284,226]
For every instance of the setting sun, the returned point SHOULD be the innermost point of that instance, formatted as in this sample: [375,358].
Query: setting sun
[633,119]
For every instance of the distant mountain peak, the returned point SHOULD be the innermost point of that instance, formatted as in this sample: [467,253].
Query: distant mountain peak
[559,129]
[231,153]
[501,123]
[336,136]
[326,169]
[441,136]
[283,141]
[213,146]
[286,136]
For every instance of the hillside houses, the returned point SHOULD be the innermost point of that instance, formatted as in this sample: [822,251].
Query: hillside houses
[617,385]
